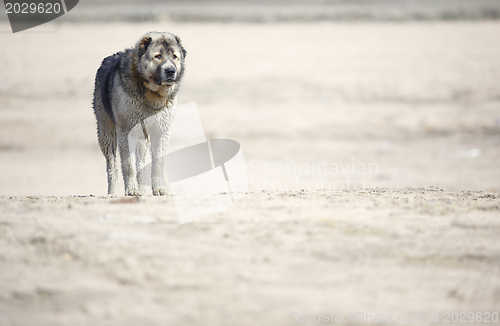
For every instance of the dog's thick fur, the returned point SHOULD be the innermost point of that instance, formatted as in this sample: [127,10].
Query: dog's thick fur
[138,88]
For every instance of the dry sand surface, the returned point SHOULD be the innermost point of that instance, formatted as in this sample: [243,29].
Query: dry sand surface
[93,261]
[419,103]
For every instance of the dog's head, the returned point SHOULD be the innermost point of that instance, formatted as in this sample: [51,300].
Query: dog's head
[160,60]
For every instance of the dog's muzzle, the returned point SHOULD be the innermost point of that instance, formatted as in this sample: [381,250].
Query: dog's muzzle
[165,76]
[170,73]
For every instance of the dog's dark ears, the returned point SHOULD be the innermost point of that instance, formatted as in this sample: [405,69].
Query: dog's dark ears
[143,45]
[184,52]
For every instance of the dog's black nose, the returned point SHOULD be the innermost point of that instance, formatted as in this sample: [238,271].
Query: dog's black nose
[170,72]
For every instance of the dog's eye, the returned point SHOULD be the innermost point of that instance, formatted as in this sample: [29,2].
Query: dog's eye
[158,56]
[174,56]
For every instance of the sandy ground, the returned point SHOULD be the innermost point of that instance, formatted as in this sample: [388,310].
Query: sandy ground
[417,102]
[90,261]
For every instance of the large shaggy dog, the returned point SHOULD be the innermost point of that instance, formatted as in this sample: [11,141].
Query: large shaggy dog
[138,88]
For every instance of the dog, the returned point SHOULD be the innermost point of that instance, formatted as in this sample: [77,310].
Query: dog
[136,89]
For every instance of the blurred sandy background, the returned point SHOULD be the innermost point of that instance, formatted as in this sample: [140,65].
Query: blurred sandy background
[418,99]
[409,87]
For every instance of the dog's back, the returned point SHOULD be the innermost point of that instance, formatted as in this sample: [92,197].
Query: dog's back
[104,79]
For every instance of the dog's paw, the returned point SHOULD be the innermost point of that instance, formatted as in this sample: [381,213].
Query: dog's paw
[160,192]
[132,192]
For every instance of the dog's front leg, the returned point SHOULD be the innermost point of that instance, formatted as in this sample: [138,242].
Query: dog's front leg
[127,155]
[112,172]
[158,151]
[141,152]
